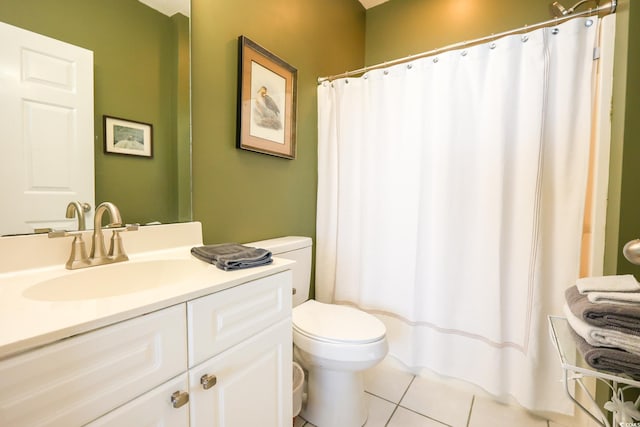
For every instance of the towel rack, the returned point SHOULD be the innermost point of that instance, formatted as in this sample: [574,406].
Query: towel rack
[575,369]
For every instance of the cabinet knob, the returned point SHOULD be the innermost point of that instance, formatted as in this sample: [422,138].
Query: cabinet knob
[179,398]
[208,381]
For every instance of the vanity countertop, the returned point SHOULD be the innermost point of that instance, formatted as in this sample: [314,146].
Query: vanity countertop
[29,322]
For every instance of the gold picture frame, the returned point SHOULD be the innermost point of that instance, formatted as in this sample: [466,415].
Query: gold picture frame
[266,121]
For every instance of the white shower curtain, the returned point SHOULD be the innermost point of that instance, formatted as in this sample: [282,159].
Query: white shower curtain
[450,203]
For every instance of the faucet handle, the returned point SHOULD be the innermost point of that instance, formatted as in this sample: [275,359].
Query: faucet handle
[78,257]
[52,234]
[116,248]
[125,227]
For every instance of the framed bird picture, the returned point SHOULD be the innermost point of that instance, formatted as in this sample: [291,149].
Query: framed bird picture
[266,101]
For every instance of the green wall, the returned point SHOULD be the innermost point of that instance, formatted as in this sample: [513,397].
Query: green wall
[630,193]
[240,195]
[400,28]
[135,73]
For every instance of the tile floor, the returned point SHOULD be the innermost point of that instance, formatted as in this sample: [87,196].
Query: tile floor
[398,398]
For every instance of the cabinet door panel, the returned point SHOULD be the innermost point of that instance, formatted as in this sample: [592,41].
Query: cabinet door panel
[223,319]
[253,383]
[76,380]
[152,409]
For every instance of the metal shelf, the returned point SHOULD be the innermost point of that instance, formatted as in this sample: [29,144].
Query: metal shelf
[575,368]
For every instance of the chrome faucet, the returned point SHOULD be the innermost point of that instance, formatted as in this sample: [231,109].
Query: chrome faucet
[98,254]
[78,209]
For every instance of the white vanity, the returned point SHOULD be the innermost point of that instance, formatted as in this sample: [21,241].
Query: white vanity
[200,347]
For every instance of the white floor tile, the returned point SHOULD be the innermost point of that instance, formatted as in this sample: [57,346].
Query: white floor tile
[387,380]
[439,401]
[430,401]
[489,413]
[405,418]
[380,411]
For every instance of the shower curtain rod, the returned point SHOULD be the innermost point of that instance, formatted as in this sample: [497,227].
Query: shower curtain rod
[605,9]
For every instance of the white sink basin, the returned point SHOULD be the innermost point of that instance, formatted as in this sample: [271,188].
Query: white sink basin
[115,279]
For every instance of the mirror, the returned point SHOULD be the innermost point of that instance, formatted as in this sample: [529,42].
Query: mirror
[141,74]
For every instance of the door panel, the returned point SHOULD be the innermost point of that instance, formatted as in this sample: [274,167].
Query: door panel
[152,409]
[76,380]
[253,383]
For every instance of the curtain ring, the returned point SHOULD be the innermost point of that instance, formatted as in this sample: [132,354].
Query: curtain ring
[524,38]
[409,66]
[492,45]
[463,53]
[435,60]
[385,72]
[555,31]
[588,22]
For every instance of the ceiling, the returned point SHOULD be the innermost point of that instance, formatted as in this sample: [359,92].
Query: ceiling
[171,7]
[368,4]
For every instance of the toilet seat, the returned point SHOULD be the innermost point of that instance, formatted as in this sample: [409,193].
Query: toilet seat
[337,324]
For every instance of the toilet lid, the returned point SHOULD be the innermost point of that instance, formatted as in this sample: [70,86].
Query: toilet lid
[336,323]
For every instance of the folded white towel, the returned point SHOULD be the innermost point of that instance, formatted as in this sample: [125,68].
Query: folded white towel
[614,297]
[600,337]
[620,283]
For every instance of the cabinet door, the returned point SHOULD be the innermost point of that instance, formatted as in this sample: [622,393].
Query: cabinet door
[81,378]
[154,408]
[252,383]
[221,320]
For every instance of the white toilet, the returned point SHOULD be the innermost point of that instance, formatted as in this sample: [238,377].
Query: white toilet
[335,344]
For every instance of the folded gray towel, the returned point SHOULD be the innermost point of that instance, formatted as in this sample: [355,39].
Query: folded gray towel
[620,317]
[608,359]
[232,256]
[602,337]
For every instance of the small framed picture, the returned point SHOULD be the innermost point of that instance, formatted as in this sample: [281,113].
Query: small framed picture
[123,136]
[266,102]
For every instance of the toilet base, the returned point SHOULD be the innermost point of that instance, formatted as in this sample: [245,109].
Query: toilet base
[335,398]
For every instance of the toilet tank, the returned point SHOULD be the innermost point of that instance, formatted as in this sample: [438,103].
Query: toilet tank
[298,249]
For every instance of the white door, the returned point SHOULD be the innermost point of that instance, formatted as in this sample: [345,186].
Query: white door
[46,137]
[252,385]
